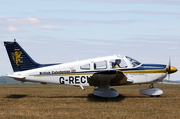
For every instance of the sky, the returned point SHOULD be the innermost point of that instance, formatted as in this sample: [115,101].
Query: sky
[60,31]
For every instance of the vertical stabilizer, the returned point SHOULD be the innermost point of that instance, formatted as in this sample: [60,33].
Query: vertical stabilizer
[19,59]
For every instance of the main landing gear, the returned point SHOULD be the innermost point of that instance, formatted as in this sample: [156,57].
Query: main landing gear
[153,92]
[105,91]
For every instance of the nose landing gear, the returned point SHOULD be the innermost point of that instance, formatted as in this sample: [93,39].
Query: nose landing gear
[153,92]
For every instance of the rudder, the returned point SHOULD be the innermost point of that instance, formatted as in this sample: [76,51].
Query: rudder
[19,59]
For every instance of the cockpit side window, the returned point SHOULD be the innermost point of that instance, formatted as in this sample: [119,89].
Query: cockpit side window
[133,62]
[117,63]
[100,65]
[85,67]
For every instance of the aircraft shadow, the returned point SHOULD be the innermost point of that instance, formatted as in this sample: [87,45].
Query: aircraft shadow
[93,98]
[90,97]
[63,97]
[16,96]
[137,97]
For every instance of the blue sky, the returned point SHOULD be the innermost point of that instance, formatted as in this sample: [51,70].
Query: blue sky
[54,30]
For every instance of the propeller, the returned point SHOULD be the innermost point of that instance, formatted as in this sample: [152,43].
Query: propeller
[169,69]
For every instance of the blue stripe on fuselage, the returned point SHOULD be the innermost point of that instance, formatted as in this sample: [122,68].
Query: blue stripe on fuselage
[146,67]
[113,71]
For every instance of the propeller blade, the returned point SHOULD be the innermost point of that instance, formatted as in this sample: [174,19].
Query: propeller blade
[169,78]
[169,69]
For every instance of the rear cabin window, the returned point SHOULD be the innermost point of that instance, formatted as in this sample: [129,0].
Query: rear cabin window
[100,65]
[85,67]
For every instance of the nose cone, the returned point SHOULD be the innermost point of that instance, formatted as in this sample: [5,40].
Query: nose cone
[172,70]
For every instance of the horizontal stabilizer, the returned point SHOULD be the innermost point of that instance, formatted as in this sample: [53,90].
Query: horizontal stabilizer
[16,77]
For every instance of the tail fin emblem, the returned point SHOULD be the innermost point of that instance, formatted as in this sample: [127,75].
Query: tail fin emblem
[16,56]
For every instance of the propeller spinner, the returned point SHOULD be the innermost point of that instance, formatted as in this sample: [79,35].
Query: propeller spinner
[170,68]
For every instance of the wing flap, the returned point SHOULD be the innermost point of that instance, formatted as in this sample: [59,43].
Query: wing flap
[113,78]
[119,79]
[96,78]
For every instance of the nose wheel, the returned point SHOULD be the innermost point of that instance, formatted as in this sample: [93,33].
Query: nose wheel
[154,95]
[153,92]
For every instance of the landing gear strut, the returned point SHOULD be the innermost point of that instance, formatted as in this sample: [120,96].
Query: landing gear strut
[151,86]
[105,91]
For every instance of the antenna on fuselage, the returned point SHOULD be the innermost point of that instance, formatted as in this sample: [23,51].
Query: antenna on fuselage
[169,69]
[73,56]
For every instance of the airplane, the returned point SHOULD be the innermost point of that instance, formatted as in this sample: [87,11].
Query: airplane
[101,72]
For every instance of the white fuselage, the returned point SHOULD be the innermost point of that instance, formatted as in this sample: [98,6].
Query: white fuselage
[78,73]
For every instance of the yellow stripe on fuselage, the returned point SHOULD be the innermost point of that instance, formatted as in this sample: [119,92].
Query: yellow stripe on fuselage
[145,71]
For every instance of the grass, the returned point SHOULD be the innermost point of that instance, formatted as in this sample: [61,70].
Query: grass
[61,101]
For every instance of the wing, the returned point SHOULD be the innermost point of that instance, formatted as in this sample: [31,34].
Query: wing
[112,77]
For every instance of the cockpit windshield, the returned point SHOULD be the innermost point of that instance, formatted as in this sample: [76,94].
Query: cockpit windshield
[133,62]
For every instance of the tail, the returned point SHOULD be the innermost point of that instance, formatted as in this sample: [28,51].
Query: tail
[19,59]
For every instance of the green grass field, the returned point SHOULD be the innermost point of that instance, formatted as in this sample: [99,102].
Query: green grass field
[61,101]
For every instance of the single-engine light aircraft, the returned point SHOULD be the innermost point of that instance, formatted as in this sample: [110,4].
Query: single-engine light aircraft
[101,72]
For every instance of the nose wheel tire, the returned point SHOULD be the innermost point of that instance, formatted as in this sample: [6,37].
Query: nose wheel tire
[154,95]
